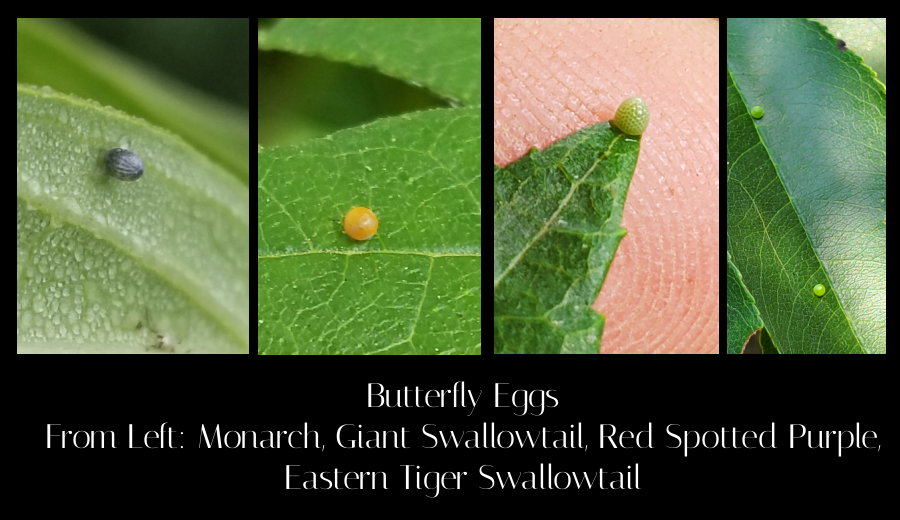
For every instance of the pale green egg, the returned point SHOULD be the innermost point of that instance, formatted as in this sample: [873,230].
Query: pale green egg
[632,116]
[756,112]
[819,290]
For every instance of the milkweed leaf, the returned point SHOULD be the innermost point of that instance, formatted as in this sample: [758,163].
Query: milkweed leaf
[104,265]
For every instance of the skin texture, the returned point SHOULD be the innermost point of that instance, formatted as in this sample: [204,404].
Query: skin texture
[553,77]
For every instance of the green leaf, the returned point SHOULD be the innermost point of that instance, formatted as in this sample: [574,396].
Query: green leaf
[806,185]
[556,228]
[50,52]
[743,316]
[158,264]
[415,287]
[443,54]
[866,37]
[765,343]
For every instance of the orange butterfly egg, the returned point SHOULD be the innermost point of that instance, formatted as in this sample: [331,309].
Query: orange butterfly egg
[360,223]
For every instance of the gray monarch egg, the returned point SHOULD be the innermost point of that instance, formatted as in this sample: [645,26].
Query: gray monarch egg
[124,164]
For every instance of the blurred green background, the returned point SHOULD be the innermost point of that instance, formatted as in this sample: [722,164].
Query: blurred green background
[189,76]
[303,97]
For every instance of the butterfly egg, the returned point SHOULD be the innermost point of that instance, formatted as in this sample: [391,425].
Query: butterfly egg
[819,290]
[360,223]
[632,116]
[124,164]
[756,112]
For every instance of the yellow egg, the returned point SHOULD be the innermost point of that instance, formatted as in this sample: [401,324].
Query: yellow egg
[360,223]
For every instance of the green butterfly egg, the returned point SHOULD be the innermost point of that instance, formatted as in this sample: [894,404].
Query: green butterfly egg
[819,290]
[756,112]
[632,116]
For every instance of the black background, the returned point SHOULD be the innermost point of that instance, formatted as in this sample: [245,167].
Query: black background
[283,392]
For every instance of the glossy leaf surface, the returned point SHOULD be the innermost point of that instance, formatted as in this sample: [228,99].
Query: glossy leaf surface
[806,185]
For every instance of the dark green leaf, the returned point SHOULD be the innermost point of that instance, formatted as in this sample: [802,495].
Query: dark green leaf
[556,228]
[443,54]
[50,52]
[743,316]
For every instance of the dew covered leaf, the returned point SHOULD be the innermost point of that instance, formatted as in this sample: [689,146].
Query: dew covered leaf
[53,52]
[157,264]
